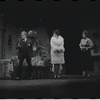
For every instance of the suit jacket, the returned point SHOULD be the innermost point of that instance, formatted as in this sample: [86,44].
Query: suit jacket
[21,52]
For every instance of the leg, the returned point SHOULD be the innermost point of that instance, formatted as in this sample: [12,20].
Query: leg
[29,66]
[19,70]
[54,70]
[84,64]
[59,68]
[89,65]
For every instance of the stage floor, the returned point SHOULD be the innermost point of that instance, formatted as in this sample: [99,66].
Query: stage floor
[69,87]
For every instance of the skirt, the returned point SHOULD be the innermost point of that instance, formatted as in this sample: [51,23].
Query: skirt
[86,60]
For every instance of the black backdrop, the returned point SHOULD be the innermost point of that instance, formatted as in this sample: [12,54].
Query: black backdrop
[71,17]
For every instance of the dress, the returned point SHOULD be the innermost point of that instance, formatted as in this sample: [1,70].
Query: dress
[86,60]
[57,50]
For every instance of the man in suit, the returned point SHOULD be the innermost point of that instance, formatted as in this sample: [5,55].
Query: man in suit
[24,46]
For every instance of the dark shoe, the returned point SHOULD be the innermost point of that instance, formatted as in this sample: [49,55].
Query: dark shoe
[31,78]
[58,76]
[18,78]
[83,73]
[55,76]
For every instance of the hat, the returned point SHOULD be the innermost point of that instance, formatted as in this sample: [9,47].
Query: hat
[32,33]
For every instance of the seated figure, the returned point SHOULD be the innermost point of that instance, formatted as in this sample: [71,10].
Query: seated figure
[40,59]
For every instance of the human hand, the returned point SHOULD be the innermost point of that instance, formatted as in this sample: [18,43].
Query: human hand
[61,50]
[83,48]
[29,44]
[19,45]
[34,49]
[86,48]
[56,51]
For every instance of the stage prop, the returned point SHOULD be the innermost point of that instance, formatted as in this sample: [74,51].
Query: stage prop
[41,65]
[95,53]
[40,61]
[6,67]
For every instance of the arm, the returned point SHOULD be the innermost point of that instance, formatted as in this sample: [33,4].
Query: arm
[35,45]
[90,43]
[61,48]
[18,46]
[53,45]
[81,46]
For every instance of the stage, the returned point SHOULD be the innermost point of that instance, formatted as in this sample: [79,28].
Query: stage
[66,87]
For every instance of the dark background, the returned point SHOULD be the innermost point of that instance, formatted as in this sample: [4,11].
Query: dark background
[70,17]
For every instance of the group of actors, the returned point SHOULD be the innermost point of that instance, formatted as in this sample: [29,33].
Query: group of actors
[26,47]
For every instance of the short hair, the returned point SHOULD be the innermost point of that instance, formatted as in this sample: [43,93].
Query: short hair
[56,32]
[24,32]
[85,32]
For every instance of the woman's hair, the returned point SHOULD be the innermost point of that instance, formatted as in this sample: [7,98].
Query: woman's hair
[85,32]
[56,32]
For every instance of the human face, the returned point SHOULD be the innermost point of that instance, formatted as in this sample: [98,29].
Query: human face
[83,35]
[55,35]
[23,36]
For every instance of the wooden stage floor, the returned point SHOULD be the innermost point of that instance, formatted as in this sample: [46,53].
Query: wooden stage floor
[67,87]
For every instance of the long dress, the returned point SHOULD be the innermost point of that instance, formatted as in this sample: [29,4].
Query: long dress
[57,50]
[86,54]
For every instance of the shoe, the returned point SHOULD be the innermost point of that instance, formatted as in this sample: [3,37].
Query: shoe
[18,78]
[84,74]
[31,78]
[58,76]
[88,75]
[54,76]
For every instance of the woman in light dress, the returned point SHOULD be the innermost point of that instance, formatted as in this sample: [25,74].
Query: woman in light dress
[57,53]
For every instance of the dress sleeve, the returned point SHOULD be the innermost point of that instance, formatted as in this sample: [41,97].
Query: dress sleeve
[90,43]
[80,44]
[54,47]
[62,45]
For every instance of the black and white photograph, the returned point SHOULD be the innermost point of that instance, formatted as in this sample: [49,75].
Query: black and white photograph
[49,49]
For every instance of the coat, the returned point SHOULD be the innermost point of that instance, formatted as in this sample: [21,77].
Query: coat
[57,50]
[21,53]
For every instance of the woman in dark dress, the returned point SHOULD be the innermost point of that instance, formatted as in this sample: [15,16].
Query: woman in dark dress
[86,46]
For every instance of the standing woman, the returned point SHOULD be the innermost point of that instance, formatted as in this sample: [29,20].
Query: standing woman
[57,53]
[86,45]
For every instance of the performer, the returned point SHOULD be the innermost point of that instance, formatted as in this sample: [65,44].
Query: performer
[86,46]
[24,46]
[32,35]
[57,53]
